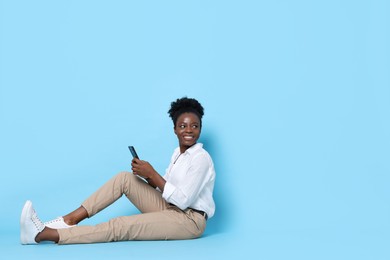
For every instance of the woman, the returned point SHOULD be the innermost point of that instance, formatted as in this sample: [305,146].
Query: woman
[174,206]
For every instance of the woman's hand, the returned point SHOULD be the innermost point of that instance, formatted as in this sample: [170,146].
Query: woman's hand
[142,168]
[146,171]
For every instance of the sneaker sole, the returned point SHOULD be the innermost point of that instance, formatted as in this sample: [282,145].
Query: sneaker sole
[26,209]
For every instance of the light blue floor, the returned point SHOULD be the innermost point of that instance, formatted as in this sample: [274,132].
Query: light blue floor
[298,244]
[208,246]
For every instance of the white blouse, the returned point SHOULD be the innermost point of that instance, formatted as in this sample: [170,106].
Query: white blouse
[190,180]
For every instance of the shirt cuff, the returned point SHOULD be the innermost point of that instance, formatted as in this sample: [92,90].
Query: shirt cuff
[168,191]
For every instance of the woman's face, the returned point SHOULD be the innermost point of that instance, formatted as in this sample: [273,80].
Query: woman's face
[187,129]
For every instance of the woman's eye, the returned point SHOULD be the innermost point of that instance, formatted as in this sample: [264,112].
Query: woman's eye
[194,126]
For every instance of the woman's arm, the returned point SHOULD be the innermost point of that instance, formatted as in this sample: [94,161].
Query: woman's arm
[146,171]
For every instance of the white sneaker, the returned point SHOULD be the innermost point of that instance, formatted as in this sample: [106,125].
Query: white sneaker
[58,223]
[30,224]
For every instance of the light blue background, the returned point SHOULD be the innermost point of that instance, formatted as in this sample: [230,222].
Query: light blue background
[297,102]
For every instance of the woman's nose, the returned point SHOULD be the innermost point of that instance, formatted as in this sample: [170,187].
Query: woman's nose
[188,129]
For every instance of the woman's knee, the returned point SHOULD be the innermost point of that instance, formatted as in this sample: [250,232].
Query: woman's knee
[128,181]
[125,177]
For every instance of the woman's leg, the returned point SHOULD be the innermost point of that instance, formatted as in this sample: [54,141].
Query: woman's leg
[140,193]
[168,224]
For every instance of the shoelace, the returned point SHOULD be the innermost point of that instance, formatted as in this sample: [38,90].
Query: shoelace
[53,221]
[37,222]
[61,223]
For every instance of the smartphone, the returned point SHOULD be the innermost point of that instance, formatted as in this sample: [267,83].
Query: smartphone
[133,152]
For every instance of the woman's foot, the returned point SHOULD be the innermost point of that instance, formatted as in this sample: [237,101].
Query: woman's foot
[30,224]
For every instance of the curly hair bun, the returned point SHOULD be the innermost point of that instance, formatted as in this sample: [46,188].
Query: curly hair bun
[185,105]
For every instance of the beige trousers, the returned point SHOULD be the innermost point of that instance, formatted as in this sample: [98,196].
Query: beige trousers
[158,221]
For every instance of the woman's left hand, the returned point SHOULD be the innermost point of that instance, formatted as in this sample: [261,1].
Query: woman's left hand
[142,168]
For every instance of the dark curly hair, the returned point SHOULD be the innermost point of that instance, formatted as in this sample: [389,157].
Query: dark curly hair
[185,105]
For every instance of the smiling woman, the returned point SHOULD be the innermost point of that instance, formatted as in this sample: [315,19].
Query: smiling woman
[173,206]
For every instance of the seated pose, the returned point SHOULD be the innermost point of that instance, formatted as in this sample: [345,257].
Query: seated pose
[174,206]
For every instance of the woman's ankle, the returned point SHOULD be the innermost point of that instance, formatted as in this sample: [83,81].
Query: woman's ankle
[68,220]
[48,234]
[76,216]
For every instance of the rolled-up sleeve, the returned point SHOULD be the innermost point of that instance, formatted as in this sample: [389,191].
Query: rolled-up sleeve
[168,190]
